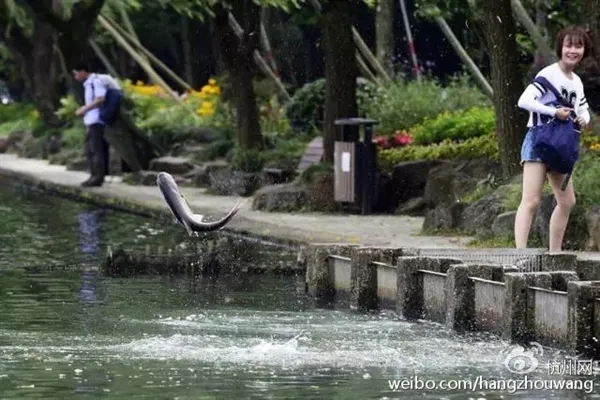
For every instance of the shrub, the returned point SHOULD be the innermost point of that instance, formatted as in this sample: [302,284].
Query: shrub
[585,178]
[19,117]
[289,149]
[170,125]
[313,171]
[273,119]
[455,125]
[16,111]
[479,147]
[168,121]
[404,104]
[248,160]
[305,109]
[73,137]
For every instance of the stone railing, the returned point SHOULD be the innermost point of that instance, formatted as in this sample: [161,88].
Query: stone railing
[544,299]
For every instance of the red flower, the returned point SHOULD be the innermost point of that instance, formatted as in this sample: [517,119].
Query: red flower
[382,142]
[401,139]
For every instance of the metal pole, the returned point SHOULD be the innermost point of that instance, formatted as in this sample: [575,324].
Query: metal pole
[411,44]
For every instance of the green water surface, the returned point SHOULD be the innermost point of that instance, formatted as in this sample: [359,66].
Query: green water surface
[72,333]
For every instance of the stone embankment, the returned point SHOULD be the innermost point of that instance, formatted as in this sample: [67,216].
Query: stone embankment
[523,296]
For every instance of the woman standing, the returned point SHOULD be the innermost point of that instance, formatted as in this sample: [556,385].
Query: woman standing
[572,46]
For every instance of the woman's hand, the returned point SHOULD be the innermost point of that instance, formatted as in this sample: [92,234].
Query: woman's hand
[581,122]
[563,113]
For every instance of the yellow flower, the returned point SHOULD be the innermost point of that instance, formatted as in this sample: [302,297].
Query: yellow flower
[212,82]
[205,112]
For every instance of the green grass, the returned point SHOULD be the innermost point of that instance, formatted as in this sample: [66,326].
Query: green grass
[502,242]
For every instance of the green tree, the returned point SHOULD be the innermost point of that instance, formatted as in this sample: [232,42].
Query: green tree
[236,52]
[36,32]
[507,85]
[507,80]
[341,70]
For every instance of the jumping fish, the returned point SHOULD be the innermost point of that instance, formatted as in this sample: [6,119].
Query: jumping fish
[181,211]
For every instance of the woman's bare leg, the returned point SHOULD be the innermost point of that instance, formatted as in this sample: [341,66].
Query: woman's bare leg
[534,175]
[565,201]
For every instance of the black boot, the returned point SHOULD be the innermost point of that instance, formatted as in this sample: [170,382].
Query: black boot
[93,181]
[90,168]
[98,172]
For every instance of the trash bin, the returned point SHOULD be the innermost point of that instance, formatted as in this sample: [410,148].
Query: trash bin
[355,163]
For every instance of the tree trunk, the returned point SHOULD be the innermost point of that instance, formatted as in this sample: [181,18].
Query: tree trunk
[384,33]
[341,70]
[187,50]
[45,78]
[74,33]
[592,11]
[35,57]
[507,86]
[237,56]
[590,75]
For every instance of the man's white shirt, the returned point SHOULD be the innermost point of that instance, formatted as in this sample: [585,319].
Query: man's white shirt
[93,88]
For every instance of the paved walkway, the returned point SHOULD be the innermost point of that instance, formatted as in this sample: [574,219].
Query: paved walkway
[374,230]
[377,230]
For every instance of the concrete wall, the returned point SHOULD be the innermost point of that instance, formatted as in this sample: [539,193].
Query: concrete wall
[552,306]
[550,310]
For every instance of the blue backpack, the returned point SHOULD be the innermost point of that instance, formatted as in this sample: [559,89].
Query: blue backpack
[109,110]
[557,141]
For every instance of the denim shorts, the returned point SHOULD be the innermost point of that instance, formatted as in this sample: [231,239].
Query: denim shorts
[528,153]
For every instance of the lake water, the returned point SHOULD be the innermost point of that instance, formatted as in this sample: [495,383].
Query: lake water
[71,333]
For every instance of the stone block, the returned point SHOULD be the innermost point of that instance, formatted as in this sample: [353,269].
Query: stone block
[582,297]
[409,302]
[561,279]
[588,270]
[364,279]
[559,262]
[460,298]
[516,314]
[441,264]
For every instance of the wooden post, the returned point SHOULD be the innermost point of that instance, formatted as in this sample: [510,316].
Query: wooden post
[146,66]
[365,70]
[462,53]
[524,19]
[260,61]
[127,22]
[98,51]
[362,46]
[266,43]
[366,52]
[151,56]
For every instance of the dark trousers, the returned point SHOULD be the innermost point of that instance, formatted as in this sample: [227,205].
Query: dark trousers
[96,150]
